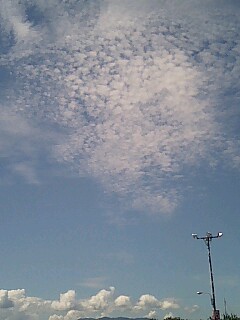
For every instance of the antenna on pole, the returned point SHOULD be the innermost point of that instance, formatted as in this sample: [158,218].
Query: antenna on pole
[225,307]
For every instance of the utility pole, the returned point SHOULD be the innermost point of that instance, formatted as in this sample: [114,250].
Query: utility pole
[207,239]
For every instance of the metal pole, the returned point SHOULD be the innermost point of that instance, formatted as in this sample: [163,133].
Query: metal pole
[213,300]
[207,239]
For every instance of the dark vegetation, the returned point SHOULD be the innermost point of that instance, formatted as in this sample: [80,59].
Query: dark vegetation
[230,317]
[224,317]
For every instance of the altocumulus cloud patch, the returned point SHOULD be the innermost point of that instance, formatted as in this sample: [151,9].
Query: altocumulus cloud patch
[136,89]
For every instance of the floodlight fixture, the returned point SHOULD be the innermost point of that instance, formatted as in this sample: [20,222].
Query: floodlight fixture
[195,236]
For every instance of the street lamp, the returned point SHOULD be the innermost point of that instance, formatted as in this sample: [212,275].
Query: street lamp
[207,239]
[201,292]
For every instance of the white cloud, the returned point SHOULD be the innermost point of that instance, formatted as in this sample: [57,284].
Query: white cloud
[15,304]
[21,306]
[123,302]
[148,301]
[56,317]
[5,302]
[15,25]
[22,144]
[73,315]
[67,301]
[101,302]
[26,170]
[17,294]
[152,315]
[138,101]
[169,304]
[169,315]
[192,309]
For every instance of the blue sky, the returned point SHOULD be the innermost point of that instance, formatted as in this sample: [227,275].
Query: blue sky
[119,138]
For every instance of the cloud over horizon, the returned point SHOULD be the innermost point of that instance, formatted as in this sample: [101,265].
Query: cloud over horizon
[140,98]
[15,304]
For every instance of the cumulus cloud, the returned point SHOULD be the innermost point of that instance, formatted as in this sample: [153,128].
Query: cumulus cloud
[56,317]
[169,315]
[15,304]
[148,301]
[5,302]
[152,315]
[101,302]
[169,304]
[66,301]
[123,302]
[136,87]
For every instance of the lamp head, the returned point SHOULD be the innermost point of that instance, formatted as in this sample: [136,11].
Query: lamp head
[220,234]
[199,292]
[194,235]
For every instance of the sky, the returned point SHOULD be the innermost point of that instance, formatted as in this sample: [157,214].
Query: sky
[119,138]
